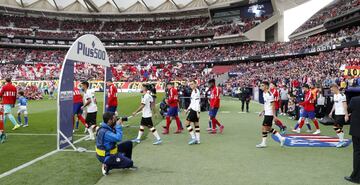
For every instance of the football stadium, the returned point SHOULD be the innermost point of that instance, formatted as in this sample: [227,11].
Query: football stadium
[179,92]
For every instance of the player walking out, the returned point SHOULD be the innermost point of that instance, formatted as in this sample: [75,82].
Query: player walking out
[112,103]
[309,109]
[296,130]
[91,109]
[193,114]
[341,113]
[173,111]
[22,109]
[269,115]
[146,120]
[214,106]
[78,103]
[274,91]
[8,95]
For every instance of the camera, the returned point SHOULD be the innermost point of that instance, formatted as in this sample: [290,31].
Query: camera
[122,119]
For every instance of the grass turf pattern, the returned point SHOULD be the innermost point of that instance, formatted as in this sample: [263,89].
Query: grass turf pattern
[230,158]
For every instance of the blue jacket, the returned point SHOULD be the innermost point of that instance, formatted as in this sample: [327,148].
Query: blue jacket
[111,137]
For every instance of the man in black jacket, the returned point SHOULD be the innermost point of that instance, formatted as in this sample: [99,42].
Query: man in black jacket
[354,109]
[245,97]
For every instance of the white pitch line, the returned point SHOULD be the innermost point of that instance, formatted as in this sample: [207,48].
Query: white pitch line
[87,151]
[27,164]
[36,160]
[35,134]
[225,112]
[41,157]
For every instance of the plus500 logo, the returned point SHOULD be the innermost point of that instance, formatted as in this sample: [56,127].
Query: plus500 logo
[90,52]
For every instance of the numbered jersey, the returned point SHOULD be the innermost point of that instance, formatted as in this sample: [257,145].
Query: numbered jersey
[8,93]
[215,97]
[77,96]
[90,95]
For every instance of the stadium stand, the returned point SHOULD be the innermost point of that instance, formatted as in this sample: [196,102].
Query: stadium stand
[337,8]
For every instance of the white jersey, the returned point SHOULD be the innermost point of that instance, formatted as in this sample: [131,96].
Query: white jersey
[195,100]
[268,107]
[147,99]
[92,107]
[339,99]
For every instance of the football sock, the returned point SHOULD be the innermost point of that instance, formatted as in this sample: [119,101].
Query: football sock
[276,133]
[191,131]
[12,119]
[339,133]
[264,137]
[77,124]
[141,132]
[81,118]
[19,119]
[197,132]
[308,126]
[301,123]
[168,121]
[316,123]
[155,133]
[26,119]
[178,123]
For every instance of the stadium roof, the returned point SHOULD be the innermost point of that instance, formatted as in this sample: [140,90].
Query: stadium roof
[112,6]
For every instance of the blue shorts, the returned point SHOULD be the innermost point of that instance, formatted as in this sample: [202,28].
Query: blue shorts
[111,109]
[77,108]
[7,108]
[172,111]
[213,112]
[307,114]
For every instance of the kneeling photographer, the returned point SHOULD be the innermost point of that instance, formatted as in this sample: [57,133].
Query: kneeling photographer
[111,154]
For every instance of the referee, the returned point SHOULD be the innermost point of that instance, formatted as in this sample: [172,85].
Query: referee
[193,114]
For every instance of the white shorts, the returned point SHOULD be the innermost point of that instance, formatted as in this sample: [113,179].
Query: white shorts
[22,109]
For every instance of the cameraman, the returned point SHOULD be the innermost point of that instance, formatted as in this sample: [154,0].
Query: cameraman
[108,152]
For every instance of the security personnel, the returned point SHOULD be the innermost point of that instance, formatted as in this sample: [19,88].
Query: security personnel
[108,152]
[354,109]
[245,97]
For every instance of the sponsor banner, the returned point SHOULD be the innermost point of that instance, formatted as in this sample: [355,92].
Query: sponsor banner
[352,71]
[38,84]
[99,85]
[310,140]
[89,49]
[65,104]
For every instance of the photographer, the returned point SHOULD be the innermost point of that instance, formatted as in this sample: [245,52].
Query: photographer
[108,152]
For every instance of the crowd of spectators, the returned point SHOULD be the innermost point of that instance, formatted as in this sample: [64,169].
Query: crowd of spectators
[334,9]
[53,28]
[31,92]
[320,70]
[122,72]
[226,53]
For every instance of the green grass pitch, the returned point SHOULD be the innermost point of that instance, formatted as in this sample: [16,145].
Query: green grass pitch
[230,158]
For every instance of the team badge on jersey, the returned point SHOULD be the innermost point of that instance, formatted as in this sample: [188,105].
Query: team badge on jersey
[309,140]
